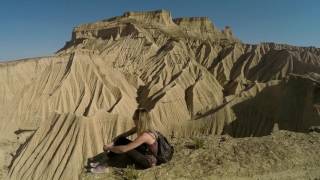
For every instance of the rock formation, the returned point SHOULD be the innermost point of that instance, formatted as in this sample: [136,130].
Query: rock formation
[192,77]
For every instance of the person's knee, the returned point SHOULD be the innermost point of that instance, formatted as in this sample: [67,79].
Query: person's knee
[122,141]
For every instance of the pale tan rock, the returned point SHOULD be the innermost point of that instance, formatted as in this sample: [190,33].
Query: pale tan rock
[192,77]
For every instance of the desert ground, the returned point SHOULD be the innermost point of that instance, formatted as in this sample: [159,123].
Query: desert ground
[281,155]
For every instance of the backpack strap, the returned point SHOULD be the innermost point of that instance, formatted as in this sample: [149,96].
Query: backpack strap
[155,134]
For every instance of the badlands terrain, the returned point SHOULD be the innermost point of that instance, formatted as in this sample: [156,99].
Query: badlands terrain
[233,110]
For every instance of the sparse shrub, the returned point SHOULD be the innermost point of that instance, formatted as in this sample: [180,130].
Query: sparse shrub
[198,143]
[130,173]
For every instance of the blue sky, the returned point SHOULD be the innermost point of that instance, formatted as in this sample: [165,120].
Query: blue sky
[31,28]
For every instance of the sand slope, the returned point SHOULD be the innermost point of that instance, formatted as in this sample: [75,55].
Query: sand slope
[192,77]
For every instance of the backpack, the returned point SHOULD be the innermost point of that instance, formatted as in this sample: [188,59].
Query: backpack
[165,149]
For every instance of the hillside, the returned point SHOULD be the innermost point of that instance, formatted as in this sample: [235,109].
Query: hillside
[193,78]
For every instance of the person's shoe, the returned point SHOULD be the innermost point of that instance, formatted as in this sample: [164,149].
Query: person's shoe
[94,164]
[99,169]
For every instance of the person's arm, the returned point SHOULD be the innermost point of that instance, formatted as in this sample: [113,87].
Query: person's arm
[125,148]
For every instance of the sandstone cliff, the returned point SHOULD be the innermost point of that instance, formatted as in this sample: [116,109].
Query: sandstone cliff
[191,76]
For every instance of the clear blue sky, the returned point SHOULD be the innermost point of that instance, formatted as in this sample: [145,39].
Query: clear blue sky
[31,28]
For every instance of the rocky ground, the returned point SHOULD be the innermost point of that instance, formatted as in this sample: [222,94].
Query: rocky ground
[282,155]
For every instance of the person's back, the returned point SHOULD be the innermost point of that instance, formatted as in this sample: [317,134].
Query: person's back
[152,149]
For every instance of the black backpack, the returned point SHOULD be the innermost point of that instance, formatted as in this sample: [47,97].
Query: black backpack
[165,150]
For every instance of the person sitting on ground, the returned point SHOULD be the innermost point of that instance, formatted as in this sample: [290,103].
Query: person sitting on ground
[142,150]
